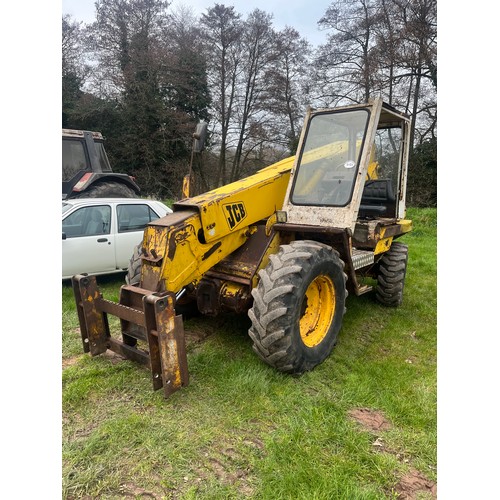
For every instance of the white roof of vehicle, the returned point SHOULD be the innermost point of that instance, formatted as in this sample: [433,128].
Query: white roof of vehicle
[75,202]
[100,201]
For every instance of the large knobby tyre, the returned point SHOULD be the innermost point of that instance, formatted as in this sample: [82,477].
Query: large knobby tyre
[105,189]
[391,275]
[134,266]
[298,306]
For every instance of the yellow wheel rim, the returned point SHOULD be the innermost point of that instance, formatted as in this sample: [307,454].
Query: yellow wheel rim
[319,308]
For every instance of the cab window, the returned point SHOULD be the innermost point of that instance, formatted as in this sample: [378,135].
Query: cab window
[329,160]
[73,159]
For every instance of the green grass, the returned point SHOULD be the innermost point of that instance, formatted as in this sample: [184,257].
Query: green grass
[241,429]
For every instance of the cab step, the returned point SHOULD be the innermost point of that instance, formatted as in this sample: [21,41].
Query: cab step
[362,258]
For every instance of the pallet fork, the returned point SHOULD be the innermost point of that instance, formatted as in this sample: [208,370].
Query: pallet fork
[144,316]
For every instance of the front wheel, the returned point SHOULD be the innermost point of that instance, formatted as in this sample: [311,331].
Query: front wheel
[298,306]
[134,266]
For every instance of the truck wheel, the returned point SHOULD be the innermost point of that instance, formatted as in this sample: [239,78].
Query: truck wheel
[134,267]
[106,190]
[391,275]
[298,306]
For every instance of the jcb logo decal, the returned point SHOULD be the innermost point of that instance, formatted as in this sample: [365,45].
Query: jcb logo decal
[235,213]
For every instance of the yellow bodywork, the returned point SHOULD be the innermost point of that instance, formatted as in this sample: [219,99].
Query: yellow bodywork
[406,225]
[241,203]
[203,230]
[384,242]
[181,247]
[383,245]
[190,259]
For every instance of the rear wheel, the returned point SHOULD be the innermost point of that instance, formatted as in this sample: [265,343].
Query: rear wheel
[298,306]
[105,189]
[391,275]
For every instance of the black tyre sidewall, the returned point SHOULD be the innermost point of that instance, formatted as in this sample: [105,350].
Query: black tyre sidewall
[103,189]
[134,267]
[388,296]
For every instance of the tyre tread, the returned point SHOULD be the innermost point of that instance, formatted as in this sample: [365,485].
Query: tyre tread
[391,275]
[275,298]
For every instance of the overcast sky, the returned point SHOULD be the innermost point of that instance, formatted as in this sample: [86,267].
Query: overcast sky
[302,15]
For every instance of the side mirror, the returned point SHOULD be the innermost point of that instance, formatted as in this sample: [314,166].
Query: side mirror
[199,137]
[64,236]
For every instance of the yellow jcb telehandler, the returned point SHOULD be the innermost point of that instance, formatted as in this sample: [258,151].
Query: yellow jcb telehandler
[285,245]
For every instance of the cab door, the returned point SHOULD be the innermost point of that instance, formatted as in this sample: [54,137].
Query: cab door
[88,244]
[331,165]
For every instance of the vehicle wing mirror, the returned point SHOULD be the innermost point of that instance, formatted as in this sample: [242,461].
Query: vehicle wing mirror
[64,236]
[199,137]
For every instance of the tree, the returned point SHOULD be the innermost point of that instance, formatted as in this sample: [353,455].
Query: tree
[381,47]
[418,62]
[256,56]
[242,55]
[187,85]
[286,81]
[222,28]
[155,72]
[73,68]
[139,68]
[422,175]
[187,76]
[348,60]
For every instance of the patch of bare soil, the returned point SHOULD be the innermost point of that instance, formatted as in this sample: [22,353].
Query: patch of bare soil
[372,420]
[227,463]
[70,361]
[113,357]
[254,443]
[414,485]
[131,490]
[224,465]
[195,334]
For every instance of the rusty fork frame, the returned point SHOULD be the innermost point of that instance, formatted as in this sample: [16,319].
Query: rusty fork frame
[143,316]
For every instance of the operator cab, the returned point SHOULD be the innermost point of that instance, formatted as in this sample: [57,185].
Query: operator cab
[351,166]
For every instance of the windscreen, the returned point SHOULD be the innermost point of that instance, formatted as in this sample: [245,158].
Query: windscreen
[73,158]
[330,158]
